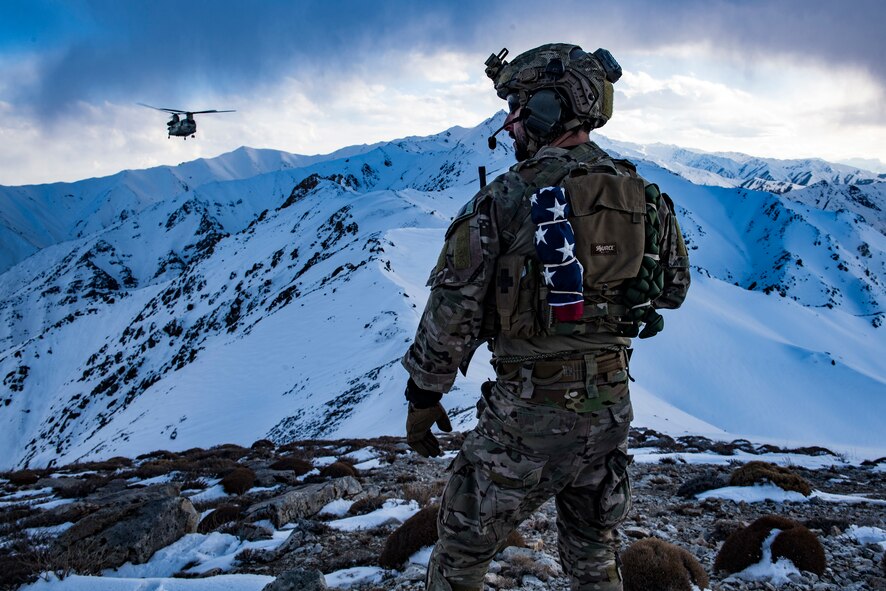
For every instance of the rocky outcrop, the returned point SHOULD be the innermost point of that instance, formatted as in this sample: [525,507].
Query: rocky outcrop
[298,580]
[130,525]
[303,501]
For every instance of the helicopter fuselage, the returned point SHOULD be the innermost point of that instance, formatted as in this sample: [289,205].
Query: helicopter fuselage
[182,128]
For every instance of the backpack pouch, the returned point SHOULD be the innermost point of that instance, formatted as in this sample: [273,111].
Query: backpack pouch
[608,216]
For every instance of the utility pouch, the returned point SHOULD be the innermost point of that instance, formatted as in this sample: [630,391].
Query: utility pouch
[517,297]
[608,218]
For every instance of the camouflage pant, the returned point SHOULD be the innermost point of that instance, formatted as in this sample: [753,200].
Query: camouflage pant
[520,455]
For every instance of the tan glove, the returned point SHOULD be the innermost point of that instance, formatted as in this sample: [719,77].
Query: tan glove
[418,429]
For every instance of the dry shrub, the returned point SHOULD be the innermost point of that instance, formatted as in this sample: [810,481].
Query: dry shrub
[298,466]
[296,447]
[219,452]
[83,487]
[238,481]
[520,565]
[338,469]
[24,558]
[194,483]
[15,571]
[418,531]
[16,512]
[367,505]
[800,546]
[217,466]
[708,480]
[22,477]
[744,547]
[423,492]
[111,464]
[760,472]
[223,514]
[655,564]
[159,467]
[263,444]
[515,539]
[228,450]
[160,454]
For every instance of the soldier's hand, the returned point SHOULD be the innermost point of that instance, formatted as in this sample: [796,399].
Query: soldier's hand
[418,429]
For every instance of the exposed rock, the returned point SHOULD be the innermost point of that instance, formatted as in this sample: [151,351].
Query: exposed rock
[249,532]
[131,525]
[298,580]
[304,501]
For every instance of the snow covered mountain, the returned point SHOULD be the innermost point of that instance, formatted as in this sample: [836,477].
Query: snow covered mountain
[268,294]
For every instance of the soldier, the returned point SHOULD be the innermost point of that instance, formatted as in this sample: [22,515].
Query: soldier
[556,264]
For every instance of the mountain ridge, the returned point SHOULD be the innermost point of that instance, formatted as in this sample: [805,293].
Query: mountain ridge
[283,301]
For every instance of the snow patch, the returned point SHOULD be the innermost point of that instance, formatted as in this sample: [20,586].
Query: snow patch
[393,511]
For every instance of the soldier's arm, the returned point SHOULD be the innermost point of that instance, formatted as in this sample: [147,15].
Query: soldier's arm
[453,315]
[674,258]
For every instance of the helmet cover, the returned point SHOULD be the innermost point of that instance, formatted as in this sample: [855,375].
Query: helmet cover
[583,80]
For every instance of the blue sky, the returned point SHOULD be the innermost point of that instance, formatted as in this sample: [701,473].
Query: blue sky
[783,78]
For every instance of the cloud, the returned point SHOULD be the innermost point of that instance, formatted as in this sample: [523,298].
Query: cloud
[310,77]
[811,112]
[174,51]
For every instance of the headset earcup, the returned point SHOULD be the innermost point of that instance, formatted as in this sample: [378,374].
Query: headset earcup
[545,110]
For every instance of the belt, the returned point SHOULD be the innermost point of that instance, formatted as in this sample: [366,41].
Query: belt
[584,384]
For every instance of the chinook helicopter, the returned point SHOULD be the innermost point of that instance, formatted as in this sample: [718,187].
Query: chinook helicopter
[183,127]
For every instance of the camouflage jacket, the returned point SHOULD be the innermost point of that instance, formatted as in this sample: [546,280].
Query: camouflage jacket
[461,313]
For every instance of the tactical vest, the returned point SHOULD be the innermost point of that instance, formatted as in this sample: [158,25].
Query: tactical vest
[614,215]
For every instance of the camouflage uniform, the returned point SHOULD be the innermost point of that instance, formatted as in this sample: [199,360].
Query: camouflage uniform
[555,423]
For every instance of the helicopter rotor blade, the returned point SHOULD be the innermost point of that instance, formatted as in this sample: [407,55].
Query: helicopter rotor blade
[210,111]
[163,109]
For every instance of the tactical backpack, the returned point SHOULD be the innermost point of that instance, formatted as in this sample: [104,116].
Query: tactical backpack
[616,219]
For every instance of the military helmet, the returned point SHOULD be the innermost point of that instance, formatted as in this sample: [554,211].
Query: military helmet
[579,81]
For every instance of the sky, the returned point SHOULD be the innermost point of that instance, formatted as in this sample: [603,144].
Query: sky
[778,78]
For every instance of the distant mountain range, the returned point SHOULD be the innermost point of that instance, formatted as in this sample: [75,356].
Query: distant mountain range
[266,294]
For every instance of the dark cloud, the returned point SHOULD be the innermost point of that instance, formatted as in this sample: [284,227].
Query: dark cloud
[165,51]
[172,52]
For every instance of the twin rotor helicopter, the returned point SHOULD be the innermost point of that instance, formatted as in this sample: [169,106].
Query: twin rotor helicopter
[183,126]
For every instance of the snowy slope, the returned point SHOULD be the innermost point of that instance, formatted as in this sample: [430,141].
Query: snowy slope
[275,295]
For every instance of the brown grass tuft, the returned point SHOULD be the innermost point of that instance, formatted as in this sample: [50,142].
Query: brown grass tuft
[418,531]
[708,480]
[744,547]
[520,565]
[263,444]
[655,564]
[338,470]
[223,514]
[800,546]
[160,454]
[115,463]
[298,466]
[83,487]
[22,477]
[516,540]
[367,505]
[238,481]
[423,492]
[760,472]
[194,483]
